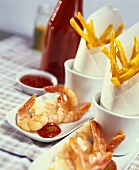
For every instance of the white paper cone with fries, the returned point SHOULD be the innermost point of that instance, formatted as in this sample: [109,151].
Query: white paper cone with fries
[120,92]
[89,59]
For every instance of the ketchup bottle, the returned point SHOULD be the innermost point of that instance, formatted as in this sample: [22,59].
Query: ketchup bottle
[61,40]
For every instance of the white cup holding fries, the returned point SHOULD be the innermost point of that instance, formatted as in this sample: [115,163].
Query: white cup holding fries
[90,62]
[83,86]
[112,123]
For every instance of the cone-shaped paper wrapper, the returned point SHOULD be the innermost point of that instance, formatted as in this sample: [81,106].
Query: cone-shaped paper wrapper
[92,62]
[123,99]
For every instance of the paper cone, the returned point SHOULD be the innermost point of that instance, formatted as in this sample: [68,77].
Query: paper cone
[92,62]
[124,99]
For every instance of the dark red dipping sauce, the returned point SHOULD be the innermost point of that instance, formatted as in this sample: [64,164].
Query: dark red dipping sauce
[50,130]
[36,81]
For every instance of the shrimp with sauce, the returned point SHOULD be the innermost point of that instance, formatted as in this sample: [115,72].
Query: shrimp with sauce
[32,116]
[75,155]
[26,118]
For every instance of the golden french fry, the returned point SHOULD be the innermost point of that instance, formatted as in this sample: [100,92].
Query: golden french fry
[78,29]
[84,24]
[133,69]
[106,33]
[106,52]
[130,73]
[122,71]
[106,41]
[114,66]
[89,32]
[129,69]
[135,61]
[82,21]
[135,49]
[115,81]
[89,36]
[122,55]
[119,30]
[112,47]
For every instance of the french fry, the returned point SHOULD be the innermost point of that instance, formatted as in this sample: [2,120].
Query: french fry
[135,61]
[112,47]
[78,29]
[129,69]
[89,32]
[135,49]
[119,30]
[115,81]
[130,73]
[114,66]
[106,33]
[82,21]
[106,41]
[122,55]
[122,71]
[93,41]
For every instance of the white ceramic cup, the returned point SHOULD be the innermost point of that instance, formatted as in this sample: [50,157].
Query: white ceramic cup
[111,123]
[83,86]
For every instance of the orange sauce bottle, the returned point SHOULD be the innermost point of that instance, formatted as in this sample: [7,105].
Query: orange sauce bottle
[61,40]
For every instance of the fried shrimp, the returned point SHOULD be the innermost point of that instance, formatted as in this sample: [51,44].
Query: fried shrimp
[74,155]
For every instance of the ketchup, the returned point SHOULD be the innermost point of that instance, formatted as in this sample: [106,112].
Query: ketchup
[50,130]
[61,40]
[36,81]
[111,166]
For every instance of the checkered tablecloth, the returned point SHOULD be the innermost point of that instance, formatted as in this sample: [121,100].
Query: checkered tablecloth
[16,150]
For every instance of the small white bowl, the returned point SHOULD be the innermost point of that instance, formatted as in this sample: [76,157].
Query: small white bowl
[111,123]
[33,90]
[83,86]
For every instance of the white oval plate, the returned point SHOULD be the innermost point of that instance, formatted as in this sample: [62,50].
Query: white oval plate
[44,160]
[66,128]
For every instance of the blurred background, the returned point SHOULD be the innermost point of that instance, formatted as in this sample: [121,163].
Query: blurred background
[17,16]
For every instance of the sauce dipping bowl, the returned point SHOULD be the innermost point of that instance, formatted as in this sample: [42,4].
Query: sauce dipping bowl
[29,88]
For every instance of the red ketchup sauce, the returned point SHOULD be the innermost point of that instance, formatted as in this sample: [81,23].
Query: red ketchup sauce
[61,40]
[50,130]
[36,81]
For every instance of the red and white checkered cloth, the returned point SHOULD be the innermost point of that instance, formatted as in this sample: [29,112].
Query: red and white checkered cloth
[16,150]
